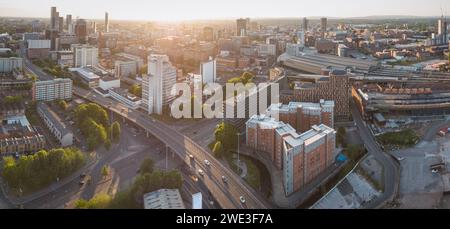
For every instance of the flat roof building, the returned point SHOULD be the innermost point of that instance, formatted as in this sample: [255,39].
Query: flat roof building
[163,199]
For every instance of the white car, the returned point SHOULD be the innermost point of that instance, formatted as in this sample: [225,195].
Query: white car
[400,158]
[242,199]
[207,163]
[200,172]
[434,171]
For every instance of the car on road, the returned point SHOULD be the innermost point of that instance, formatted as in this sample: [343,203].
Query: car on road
[83,175]
[191,156]
[242,199]
[194,178]
[207,163]
[201,173]
[224,179]
[400,158]
[434,171]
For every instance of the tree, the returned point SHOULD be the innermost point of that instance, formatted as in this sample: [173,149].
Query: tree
[62,104]
[227,135]
[33,172]
[115,131]
[217,150]
[136,90]
[147,166]
[99,201]
[105,171]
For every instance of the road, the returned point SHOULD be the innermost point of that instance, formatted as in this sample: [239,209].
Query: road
[226,194]
[391,173]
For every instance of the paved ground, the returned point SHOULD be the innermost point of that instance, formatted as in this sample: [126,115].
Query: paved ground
[373,168]
[419,187]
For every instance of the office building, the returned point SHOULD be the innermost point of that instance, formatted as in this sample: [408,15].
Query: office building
[38,49]
[31,36]
[106,23]
[125,69]
[81,31]
[108,82]
[158,83]
[241,30]
[305,24]
[266,49]
[68,21]
[208,71]
[54,18]
[84,55]
[51,90]
[301,156]
[163,199]
[8,65]
[127,99]
[56,126]
[323,26]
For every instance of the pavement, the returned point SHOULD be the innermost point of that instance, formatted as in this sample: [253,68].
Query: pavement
[390,167]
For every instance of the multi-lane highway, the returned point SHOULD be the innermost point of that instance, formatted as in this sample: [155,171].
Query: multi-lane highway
[227,194]
[391,173]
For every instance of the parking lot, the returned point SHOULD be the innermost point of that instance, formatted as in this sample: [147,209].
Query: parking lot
[420,187]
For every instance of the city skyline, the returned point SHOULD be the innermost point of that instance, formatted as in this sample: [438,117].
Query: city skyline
[203,9]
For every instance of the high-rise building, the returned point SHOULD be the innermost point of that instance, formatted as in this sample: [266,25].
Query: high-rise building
[54,17]
[241,27]
[442,31]
[68,21]
[301,156]
[84,55]
[305,24]
[208,34]
[94,27]
[157,84]
[323,26]
[81,31]
[208,71]
[60,24]
[106,22]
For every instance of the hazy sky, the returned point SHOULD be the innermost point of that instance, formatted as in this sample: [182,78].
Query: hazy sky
[210,9]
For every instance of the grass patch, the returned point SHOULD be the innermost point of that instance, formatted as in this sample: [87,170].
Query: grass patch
[253,177]
[404,138]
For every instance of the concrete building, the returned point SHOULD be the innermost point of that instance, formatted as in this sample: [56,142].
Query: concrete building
[293,49]
[335,87]
[84,55]
[157,85]
[301,157]
[106,23]
[107,83]
[127,99]
[303,115]
[55,125]
[88,76]
[267,49]
[10,64]
[208,71]
[68,21]
[38,49]
[51,90]
[31,36]
[241,29]
[125,69]
[64,58]
[81,31]
[163,199]
[323,26]
[305,24]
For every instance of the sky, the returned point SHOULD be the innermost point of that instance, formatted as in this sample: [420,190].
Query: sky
[170,10]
